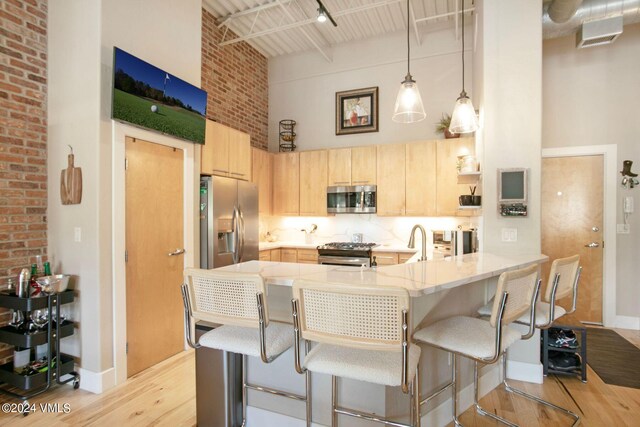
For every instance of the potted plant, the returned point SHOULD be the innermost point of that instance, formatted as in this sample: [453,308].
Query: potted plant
[443,127]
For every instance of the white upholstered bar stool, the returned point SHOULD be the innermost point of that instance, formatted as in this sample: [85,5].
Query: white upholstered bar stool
[564,276]
[237,302]
[361,333]
[481,340]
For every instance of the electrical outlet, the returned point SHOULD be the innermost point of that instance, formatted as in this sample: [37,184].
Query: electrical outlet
[509,234]
[623,228]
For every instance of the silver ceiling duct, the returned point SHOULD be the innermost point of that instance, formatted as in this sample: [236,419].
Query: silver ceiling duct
[589,10]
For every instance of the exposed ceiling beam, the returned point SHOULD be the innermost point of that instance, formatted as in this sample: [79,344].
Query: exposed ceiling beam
[308,21]
[415,25]
[228,18]
[444,15]
[304,32]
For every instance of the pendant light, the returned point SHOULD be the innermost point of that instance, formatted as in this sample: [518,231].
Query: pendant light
[463,119]
[408,108]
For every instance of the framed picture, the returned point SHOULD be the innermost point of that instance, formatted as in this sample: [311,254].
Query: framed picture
[357,111]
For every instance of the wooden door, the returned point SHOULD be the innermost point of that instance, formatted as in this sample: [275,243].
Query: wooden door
[286,184]
[261,166]
[391,179]
[448,190]
[215,152]
[421,178]
[339,166]
[572,212]
[154,228]
[363,165]
[313,183]
[239,155]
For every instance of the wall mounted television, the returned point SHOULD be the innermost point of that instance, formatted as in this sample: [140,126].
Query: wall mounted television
[146,96]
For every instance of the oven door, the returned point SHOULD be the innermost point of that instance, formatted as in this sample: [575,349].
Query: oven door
[344,260]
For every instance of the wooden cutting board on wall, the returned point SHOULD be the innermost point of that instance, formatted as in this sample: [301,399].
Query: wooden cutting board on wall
[71,183]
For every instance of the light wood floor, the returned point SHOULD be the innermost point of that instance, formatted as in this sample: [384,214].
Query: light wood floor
[164,395]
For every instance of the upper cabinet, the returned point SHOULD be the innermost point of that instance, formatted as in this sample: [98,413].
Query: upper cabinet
[262,165]
[352,166]
[339,166]
[227,152]
[391,180]
[421,179]
[286,184]
[448,188]
[313,183]
[363,165]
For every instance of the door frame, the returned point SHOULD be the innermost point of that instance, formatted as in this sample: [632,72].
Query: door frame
[191,171]
[610,187]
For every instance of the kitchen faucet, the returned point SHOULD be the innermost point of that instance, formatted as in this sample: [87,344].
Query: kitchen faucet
[412,241]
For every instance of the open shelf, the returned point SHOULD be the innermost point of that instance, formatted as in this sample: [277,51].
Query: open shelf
[29,382]
[9,300]
[470,207]
[469,177]
[11,335]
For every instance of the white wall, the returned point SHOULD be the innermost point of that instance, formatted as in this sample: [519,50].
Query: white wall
[592,97]
[166,33]
[303,86]
[509,86]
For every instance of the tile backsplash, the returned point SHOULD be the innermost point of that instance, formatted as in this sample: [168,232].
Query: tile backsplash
[377,229]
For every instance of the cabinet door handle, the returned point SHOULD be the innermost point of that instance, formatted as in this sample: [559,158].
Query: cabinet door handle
[220,170]
[341,182]
[361,182]
[237,173]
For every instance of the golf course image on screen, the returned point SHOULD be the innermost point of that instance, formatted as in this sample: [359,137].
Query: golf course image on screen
[146,96]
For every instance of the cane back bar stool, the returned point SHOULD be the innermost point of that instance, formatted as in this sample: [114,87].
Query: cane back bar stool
[564,276]
[361,333]
[481,340]
[237,302]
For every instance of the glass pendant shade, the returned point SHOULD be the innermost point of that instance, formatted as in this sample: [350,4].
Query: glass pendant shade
[408,108]
[464,118]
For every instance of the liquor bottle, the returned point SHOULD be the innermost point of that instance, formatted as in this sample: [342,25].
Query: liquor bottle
[35,288]
[47,268]
[374,263]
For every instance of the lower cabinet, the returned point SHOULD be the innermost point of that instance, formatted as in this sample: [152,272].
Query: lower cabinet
[307,256]
[288,255]
[385,258]
[269,255]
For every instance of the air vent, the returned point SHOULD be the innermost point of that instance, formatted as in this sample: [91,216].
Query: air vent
[596,33]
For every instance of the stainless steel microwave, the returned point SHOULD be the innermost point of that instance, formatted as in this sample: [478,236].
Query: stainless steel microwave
[351,199]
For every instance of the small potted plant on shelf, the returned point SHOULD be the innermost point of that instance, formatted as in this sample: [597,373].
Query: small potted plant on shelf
[443,127]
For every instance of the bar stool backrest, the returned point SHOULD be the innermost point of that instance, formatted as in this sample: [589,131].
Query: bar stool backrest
[352,315]
[567,268]
[520,286]
[225,298]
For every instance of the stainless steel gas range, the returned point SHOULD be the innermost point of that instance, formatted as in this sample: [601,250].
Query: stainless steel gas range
[346,253]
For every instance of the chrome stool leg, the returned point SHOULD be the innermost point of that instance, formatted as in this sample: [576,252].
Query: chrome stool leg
[334,399]
[416,398]
[479,409]
[244,390]
[513,390]
[307,385]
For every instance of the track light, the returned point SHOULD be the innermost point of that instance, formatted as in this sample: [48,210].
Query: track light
[322,16]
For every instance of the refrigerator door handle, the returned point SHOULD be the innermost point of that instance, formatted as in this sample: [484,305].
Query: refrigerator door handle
[236,238]
[242,230]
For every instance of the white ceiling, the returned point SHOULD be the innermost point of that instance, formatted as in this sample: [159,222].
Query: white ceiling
[281,27]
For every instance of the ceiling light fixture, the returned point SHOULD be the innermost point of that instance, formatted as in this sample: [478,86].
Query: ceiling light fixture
[323,14]
[408,108]
[464,118]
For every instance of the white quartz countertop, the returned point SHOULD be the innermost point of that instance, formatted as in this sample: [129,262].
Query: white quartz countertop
[418,278]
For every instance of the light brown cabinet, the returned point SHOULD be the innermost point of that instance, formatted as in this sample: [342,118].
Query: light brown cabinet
[391,180]
[385,258]
[276,255]
[404,257]
[288,255]
[313,183]
[307,256]
[339,166]
[269,255]
[363,165]
[286,184]
[226,152]
[262,164]
[421,179]
[447,188]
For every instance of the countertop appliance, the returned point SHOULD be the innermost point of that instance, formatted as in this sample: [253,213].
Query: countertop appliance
[345,253]
[351,199]
[455,242]
[228,221]
[228,235]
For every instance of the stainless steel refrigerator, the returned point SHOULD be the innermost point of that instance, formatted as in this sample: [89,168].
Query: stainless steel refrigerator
[228,221]
[228,235]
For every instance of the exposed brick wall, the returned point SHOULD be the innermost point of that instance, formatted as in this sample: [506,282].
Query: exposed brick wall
[236,79]
[23,138]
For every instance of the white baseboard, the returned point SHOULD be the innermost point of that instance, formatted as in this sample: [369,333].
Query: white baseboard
[97,382]
[521,371]
[628,322]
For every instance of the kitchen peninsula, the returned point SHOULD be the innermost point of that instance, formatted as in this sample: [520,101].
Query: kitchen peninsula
[439,288]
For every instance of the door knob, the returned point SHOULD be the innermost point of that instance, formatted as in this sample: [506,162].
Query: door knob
[592,245]
[176,252]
